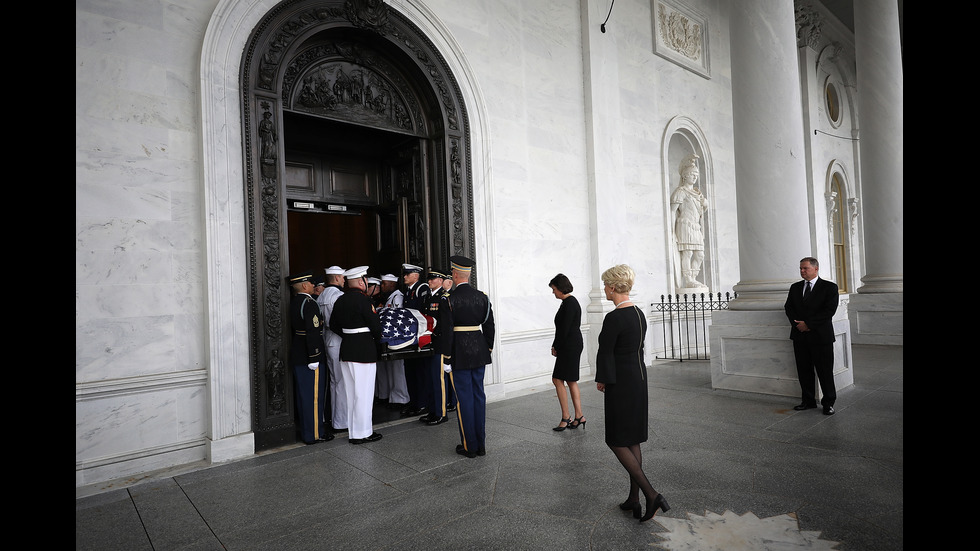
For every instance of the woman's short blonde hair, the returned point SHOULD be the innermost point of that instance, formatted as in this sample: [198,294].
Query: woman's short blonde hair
[620,278]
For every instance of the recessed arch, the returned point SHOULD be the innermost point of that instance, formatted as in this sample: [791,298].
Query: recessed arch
[843,210]
[683,137]
[230,252]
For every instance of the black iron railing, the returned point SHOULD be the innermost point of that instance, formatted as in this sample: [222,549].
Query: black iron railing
[685,323]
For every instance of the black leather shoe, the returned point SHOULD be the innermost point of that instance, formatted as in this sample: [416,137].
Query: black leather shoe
[828,410]
[450,407]
[462,451]
[373,438]
[481,452]
[804,406]
[437,420]
[428,417]
[326,438]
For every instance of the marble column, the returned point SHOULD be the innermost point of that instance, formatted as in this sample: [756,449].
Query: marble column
[604,157]
[750,346]
[876,311]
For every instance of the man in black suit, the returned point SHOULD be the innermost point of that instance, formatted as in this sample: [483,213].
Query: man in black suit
[810,307]
[466,342]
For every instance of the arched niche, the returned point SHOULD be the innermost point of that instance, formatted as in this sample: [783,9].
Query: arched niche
[682,137]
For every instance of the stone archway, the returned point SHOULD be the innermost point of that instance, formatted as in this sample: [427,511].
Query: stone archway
[375,70]
[227,305]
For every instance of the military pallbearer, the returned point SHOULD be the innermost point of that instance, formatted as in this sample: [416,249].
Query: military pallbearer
[466,341]
[305,356]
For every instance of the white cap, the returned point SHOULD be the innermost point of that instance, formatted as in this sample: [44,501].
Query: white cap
[374,281]
[389,277]
[355,273]
[411,269]
[334,270]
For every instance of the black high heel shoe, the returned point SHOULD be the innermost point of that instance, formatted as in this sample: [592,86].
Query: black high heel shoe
[634,506]
[578,421]
[560,428]
[658,503]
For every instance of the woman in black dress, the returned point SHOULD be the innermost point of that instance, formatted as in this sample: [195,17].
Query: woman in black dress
[621,377]
[567,350]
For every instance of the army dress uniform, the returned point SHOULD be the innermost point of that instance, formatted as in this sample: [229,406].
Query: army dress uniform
[466,341]
[305,357]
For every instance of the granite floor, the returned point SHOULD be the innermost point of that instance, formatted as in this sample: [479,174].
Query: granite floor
[740,471]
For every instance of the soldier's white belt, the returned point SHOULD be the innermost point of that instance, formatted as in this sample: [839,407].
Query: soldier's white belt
[467,328]
[356,330]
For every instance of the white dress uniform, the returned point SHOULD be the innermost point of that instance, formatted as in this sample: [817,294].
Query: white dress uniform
[395,369]
[338,394]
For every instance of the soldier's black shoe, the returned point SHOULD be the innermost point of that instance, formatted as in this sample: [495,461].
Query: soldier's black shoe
[436,420]
[462,451]
[450,407]
[428,418]
[373,438]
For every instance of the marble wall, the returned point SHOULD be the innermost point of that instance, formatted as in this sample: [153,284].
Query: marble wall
[569,176]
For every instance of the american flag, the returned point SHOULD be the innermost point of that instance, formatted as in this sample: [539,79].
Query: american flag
[400,327]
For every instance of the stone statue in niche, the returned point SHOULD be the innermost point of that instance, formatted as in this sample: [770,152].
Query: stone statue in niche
[688,205]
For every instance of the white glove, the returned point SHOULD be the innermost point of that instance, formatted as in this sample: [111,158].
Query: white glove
[313,366]
[447,368]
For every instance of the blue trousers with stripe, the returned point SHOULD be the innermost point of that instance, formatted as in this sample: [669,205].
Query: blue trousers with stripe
[471,409]
[309,403]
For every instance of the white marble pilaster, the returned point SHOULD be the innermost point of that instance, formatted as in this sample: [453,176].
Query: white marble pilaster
[604,151]
[877,309]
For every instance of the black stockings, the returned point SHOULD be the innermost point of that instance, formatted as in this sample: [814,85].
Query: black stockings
[632,461]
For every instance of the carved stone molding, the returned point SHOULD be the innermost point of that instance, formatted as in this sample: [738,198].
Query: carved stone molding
[680,35]
[808,26]
[363,63]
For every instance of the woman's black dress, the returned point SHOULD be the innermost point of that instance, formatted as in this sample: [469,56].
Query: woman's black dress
[568,340]
[619,365]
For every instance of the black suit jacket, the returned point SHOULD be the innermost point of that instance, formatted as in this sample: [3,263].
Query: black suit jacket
[817,310]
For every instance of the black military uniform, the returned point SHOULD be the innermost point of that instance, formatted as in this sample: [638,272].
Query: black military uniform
[433,371]
[305,356]
[466,341]
[416,298]
[356,321]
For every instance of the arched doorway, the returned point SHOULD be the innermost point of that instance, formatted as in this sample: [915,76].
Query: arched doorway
[356,152]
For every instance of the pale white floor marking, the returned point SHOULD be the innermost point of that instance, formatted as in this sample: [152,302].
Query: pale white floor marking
[730,532]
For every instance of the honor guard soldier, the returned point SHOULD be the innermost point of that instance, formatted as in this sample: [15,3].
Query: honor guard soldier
[338,395]
[305,356]
[434,376]
[416,298]
[398,397]
[374,291]
[466,342]
[356,321]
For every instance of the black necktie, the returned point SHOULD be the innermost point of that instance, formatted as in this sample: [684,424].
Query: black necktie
[806,290]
